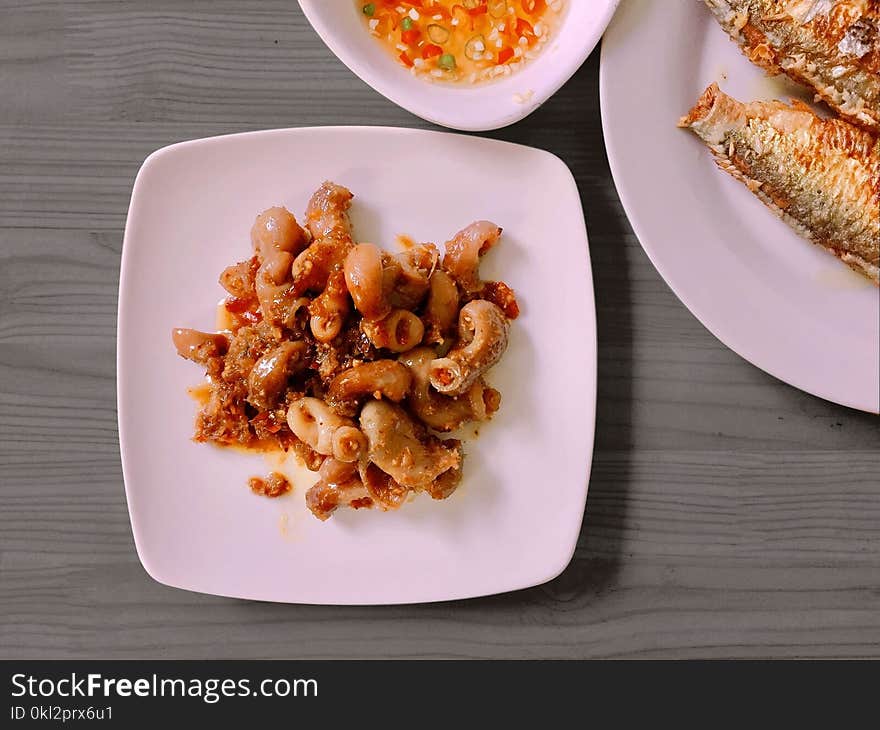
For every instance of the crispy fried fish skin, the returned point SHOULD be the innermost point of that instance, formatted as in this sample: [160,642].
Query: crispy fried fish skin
[831,46]
[822,176]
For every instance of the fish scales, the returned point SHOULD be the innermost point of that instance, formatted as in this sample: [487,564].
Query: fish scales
[822,176]
[831,46]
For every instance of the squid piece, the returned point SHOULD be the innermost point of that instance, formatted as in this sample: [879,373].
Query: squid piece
[483,333]
[276,229]
[411,272]
[385,491]
[277,238]
[379,282]
[502,296]
[365,281]
[329,309]
[268,378]
[312,268]
[335,472]
[379,379]
[413,460]
[348,444]
[328,222]
[400,331]
[444,485]
[441,310]
[277,301]
[356,486]
[313,423]
[324,499]
[442,412]
[327,212]
[463,253]
[238,279]
[199,346]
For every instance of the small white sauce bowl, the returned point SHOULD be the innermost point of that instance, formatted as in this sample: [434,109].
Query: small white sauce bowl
[468,107]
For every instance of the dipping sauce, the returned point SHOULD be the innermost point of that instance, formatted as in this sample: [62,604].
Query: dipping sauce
[467,41]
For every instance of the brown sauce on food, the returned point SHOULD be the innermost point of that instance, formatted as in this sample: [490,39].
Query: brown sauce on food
[200,393]
[274,485]
[405,242]
[298,367]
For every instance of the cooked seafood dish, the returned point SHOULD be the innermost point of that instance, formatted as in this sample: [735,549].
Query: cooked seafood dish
[355,359]
[467,41]
[822,176]
[830,46]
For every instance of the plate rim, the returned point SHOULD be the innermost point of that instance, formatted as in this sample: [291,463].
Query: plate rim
[555,567]
[748,352]
[558,79]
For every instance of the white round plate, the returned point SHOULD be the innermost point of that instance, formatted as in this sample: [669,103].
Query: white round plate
[460,106]
[777,300]
[515,519]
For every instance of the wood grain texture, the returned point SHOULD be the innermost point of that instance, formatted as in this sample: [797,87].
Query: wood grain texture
[729,514]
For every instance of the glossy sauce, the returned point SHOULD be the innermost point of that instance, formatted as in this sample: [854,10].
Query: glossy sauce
[200,393]
[404,242]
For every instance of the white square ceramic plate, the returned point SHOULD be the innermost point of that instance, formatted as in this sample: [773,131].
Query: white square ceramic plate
[515,519]
[780,302]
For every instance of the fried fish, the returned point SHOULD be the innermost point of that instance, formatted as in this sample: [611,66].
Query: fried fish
[822,176]
[831,46]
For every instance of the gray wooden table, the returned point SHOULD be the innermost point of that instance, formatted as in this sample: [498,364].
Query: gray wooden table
[728,515]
